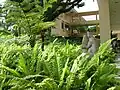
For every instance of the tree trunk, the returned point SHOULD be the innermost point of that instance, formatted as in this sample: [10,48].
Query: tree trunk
[49,32]
[32,40]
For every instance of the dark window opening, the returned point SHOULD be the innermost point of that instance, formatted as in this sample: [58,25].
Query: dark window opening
[62,25]
[67,27]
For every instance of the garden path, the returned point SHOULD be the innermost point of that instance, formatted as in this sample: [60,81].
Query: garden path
[117,62]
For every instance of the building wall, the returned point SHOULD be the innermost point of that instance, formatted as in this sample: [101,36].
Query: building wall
[61,22]
[118,36]
[59,29]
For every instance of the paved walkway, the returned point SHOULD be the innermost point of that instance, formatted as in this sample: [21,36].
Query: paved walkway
[117,62]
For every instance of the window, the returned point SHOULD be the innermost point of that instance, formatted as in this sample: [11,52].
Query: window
[62,25]
[67,27]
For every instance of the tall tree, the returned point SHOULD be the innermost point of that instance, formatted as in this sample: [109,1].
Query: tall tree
[27,15]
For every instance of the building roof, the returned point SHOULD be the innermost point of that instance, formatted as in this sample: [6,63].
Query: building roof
[73,11]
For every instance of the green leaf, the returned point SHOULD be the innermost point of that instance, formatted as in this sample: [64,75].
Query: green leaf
[14,72]
[22,65]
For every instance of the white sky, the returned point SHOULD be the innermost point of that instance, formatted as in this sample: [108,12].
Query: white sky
[1,1]
[89,6]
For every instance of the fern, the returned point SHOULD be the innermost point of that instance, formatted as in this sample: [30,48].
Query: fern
[63,73]
[47,84]
[15,73]
[22,65]
[59,67]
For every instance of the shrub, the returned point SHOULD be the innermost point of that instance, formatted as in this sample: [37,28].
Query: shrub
[59,67]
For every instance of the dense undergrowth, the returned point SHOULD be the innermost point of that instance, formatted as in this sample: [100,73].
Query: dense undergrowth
[58,67]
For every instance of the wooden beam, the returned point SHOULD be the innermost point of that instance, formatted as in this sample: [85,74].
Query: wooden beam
[86,23]
[83,13]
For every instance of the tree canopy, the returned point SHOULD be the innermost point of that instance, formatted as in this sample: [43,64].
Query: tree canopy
[61,6]
[54,7]
[26,17]
[32,16]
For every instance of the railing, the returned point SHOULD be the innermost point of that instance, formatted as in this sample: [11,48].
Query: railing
[78,19]
[79,22]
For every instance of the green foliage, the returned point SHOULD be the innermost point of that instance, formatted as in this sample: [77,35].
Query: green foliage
[59,67]
[26,22]
[26,17]
[53,8]
[81,28]
[92,28]
[33,17]
[85,28]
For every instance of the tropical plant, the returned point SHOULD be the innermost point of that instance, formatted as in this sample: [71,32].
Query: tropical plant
[27,15]
[30,23]
[59,67]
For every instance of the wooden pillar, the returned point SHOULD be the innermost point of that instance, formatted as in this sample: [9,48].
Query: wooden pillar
[97,28]
[104,21]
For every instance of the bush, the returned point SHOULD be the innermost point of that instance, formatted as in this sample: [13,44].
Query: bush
[59,67]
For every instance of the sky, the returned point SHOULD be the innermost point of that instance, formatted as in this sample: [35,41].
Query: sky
[89,6]
[1,1]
